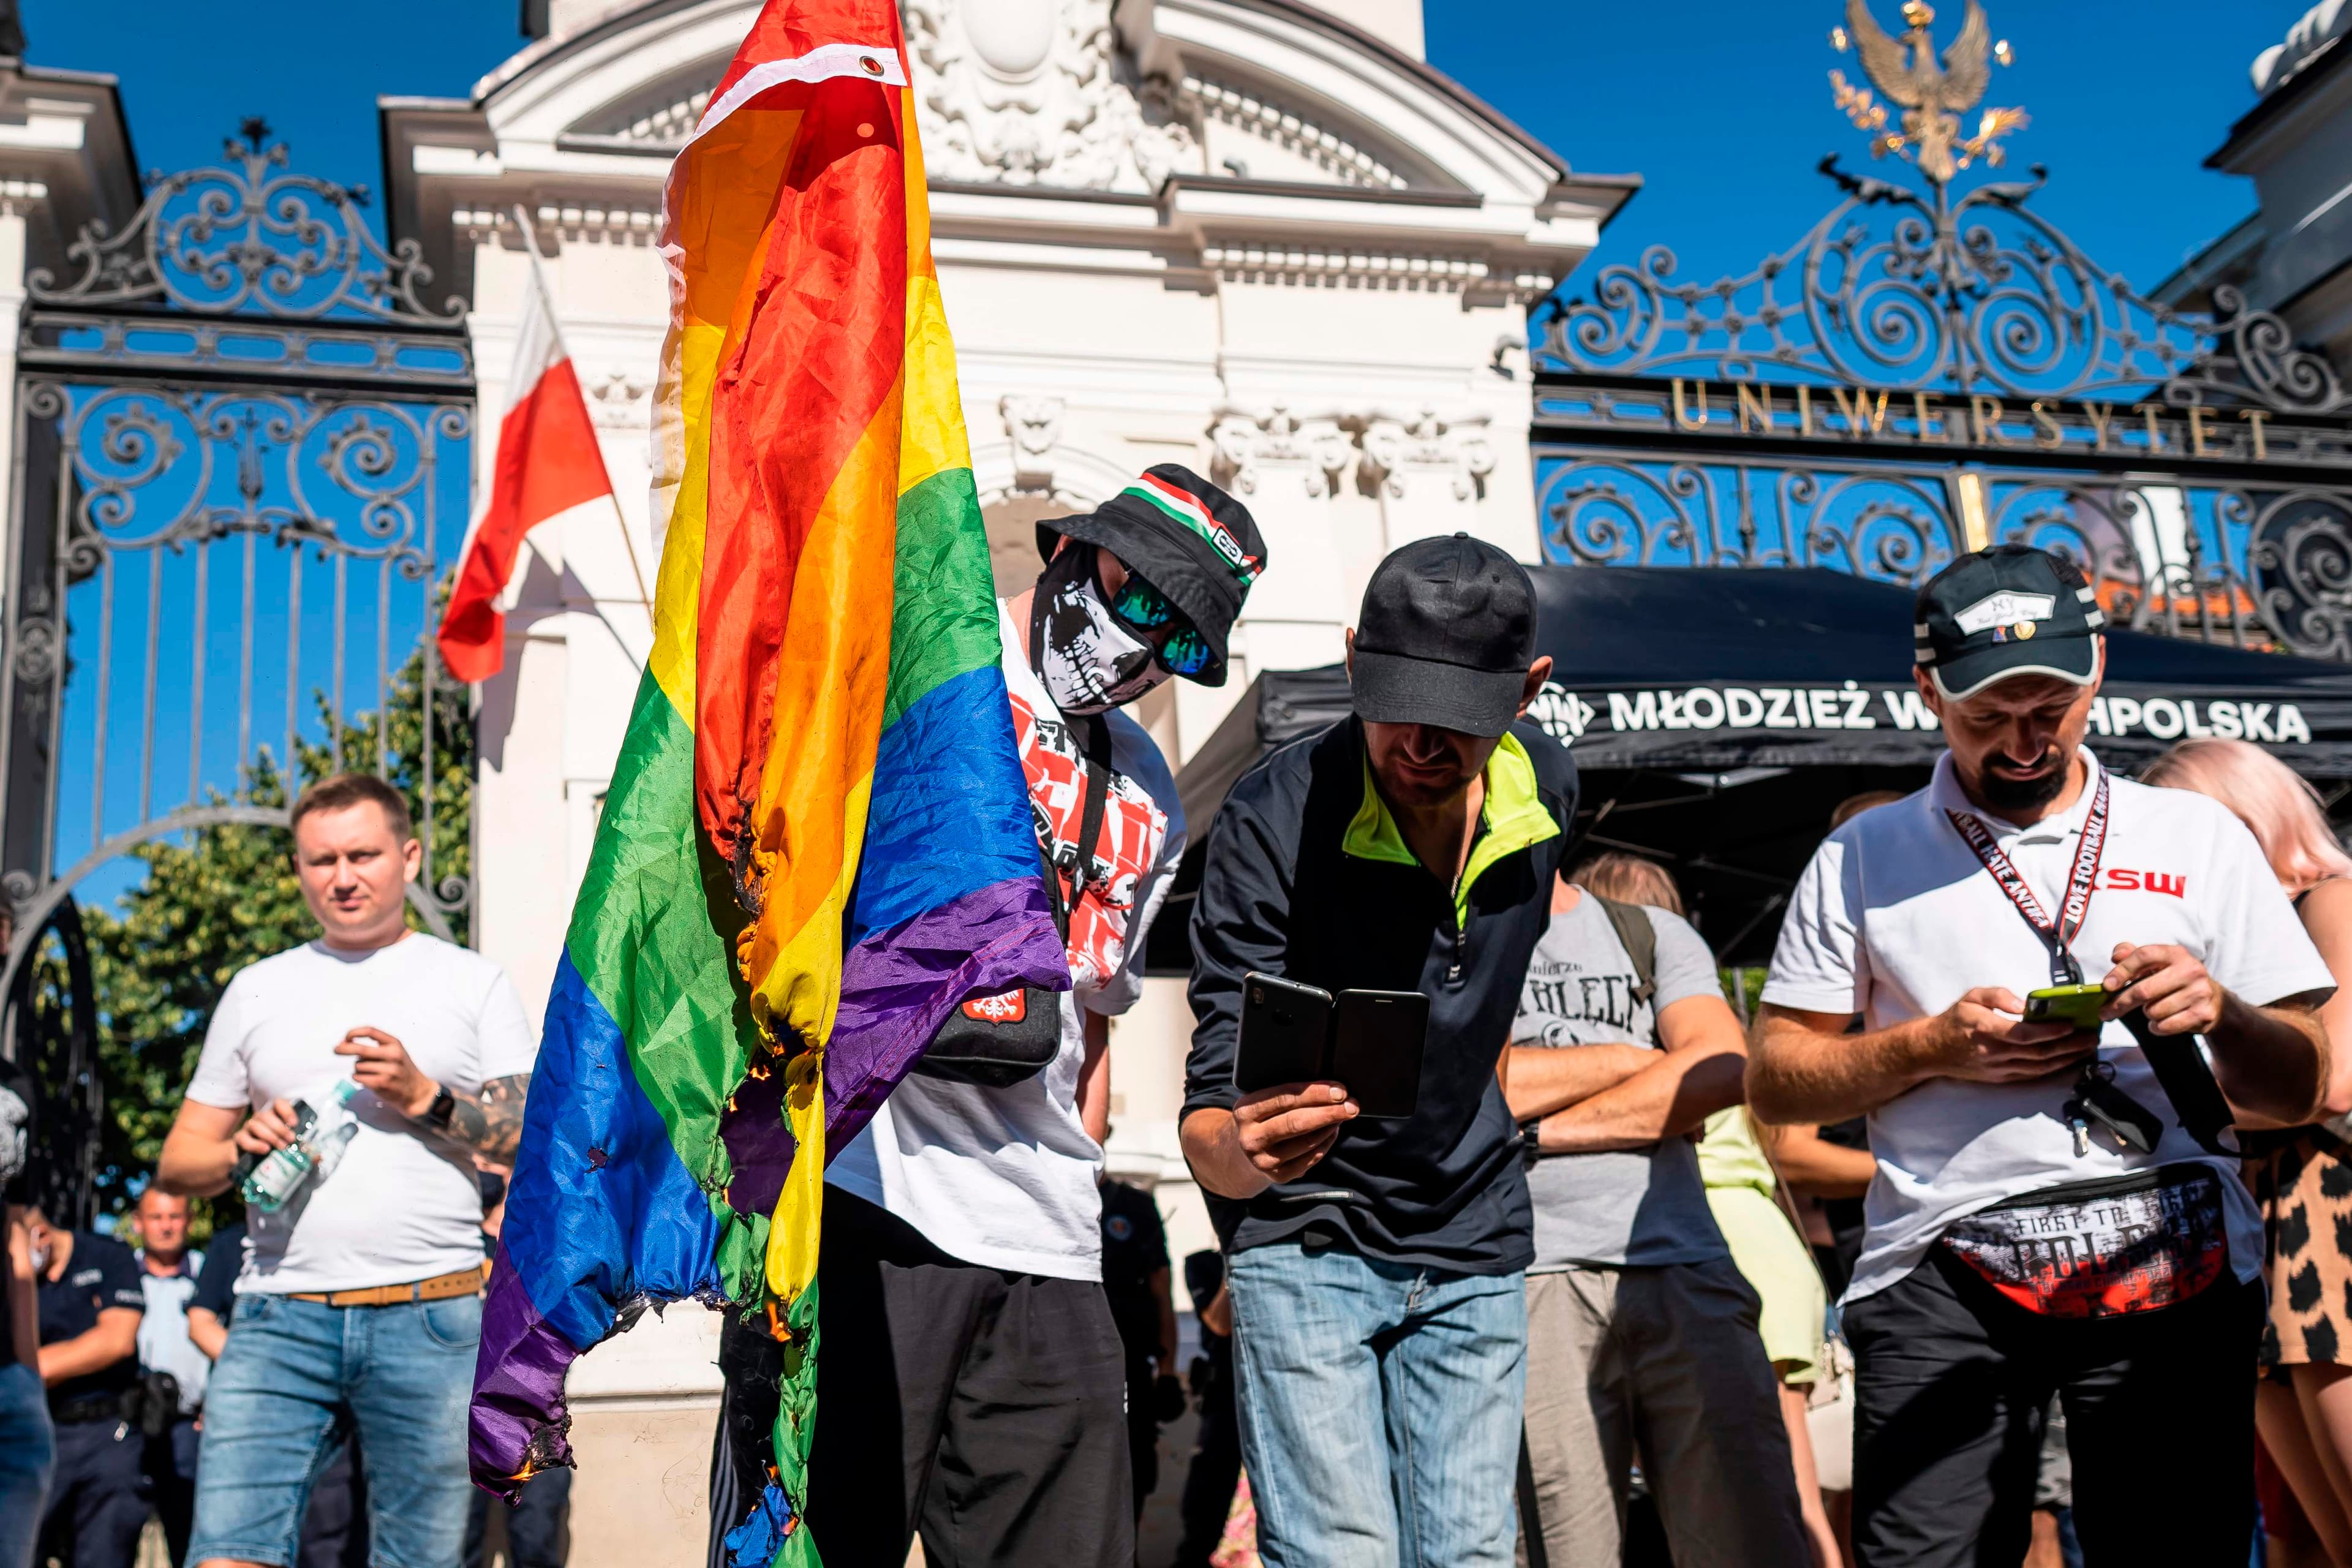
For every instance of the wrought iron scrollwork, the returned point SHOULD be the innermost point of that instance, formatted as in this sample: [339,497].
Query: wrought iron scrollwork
[166,465]
[2247,565]
[249,237]
[1908,289]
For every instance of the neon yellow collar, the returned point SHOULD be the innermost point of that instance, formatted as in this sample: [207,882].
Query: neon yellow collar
[1512,818]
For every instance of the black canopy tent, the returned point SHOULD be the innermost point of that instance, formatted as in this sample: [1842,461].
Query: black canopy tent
[1718,716]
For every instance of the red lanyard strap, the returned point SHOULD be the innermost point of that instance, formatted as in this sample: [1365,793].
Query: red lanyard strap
[2081,882]
[2180,1071]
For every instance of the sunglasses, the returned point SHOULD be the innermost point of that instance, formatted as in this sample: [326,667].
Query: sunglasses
[1145,608]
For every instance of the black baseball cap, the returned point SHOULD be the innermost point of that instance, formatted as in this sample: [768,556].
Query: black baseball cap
[1185,537]
[2007,611]
[1447,635]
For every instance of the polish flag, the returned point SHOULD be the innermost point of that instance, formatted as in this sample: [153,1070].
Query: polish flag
[548,463]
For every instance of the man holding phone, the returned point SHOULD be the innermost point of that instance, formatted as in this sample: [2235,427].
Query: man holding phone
[2054,1209]
[1376,1274]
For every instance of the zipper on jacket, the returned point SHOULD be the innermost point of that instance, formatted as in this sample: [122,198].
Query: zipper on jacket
[1456,920]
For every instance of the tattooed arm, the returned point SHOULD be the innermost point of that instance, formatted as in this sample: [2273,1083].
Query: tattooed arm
[488,1123]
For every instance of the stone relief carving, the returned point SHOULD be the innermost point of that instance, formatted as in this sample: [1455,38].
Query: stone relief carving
[1243,445]
[617,397]
[1040,92]
[1383,448]
[1459,450]
[1034,422]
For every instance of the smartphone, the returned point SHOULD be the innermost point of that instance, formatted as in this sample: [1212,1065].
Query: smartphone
[2075,1004]
[1376,1044]
[1286,1033]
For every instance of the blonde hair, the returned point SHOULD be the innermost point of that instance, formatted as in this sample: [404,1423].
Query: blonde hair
[2283,810]
[1629,879]
[1854,806]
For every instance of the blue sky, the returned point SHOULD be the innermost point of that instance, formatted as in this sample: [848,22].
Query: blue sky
[1724,108]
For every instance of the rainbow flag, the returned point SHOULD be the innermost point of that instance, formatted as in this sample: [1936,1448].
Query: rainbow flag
[818,841]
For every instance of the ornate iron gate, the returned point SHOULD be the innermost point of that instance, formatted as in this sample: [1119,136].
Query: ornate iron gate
[1927,371]
[241,442]
[1920,376]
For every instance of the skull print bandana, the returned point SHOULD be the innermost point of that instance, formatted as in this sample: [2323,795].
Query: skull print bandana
[1087,662]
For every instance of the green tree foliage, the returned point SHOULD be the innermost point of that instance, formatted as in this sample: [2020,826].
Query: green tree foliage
[217,899]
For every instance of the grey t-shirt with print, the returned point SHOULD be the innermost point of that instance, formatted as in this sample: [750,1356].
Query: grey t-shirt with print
[1619,1206]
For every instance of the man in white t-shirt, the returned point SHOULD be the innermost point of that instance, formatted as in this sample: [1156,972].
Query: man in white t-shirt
[973,1380]
[2056,1208]
[360,1301]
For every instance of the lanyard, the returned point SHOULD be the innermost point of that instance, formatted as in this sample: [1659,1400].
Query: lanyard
[2080,882]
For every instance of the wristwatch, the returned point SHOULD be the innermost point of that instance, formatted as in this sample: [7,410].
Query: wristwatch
[443,1106]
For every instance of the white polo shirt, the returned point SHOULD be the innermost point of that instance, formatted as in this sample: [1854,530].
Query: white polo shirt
[1895,918]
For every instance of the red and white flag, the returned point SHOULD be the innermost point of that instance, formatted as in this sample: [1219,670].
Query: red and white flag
[548,463]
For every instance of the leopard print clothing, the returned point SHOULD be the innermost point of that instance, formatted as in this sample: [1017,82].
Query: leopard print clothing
[2304,1183]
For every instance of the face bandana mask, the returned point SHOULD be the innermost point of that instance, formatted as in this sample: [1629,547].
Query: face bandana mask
[1087,662]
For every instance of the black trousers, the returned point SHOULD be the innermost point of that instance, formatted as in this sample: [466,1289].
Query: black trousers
[1951,1382]
[334,1526]
[981,1407]
[171,1465]
[539,1526]
[1142,1432]
[96,1506]
[1216,1465]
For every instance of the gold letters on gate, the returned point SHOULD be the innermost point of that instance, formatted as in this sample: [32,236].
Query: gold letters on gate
[1952,419]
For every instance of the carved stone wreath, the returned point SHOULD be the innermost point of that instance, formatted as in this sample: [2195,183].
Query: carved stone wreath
[1040,92]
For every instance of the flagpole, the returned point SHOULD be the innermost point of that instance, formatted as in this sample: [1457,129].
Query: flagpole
[531,247]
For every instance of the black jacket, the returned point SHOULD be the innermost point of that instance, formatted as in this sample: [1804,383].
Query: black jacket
[1282,893]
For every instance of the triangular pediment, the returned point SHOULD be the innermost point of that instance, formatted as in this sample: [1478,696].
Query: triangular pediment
[1050,93]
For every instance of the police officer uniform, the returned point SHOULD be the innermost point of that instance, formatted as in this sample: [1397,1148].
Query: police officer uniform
[164,1347]
[1135,1249]
[96,1509]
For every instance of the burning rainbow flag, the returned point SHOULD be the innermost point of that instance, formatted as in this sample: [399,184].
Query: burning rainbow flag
[822,737]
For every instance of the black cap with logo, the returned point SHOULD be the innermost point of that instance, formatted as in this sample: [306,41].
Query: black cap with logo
[1447,633]
[1184,536]
[2007,611]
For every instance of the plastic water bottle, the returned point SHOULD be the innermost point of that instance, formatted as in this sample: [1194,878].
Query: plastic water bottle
[274,1182]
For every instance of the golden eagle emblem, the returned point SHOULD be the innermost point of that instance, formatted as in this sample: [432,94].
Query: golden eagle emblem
[1932,96]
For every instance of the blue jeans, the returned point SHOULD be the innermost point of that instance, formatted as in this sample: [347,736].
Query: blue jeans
[400,1376]
[27,1454]
[1379,1408]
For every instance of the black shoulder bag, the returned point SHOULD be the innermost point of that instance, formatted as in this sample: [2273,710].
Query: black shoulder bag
[994,1041]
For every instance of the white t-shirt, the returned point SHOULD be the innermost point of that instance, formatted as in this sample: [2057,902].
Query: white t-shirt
[1006,1177]
[1896,917]
[164,1343]
[403,1206]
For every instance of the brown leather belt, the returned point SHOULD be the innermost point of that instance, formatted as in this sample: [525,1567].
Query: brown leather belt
[440,1287]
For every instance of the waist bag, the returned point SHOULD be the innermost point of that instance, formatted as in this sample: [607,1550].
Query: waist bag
[993,1041]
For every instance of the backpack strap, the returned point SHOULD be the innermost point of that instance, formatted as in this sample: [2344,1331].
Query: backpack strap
[1640,940]
[2180,1071]
[1094,737]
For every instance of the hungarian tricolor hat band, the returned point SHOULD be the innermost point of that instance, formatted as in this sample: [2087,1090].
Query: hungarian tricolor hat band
[1186,508]
[1184,536]
[2009,611]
